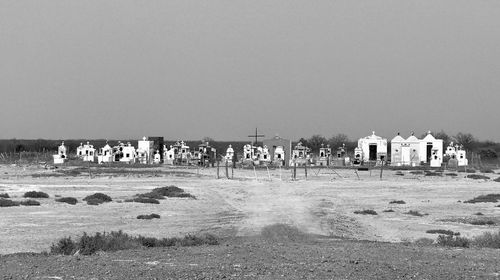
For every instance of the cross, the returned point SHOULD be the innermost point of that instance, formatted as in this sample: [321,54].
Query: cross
[256,136]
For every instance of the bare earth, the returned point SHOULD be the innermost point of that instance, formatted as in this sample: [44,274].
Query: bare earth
[237,209]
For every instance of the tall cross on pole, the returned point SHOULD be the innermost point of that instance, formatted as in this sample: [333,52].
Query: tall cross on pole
[256,136]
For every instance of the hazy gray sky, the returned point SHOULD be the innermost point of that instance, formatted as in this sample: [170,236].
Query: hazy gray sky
[188,69]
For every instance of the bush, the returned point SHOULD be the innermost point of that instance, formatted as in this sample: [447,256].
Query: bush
[442,231]
[8,203]
[478,214]
[98,196]
[153,195]
[94,201]
[30,202]
[487,240]
[417,172]
[172,191]
[148,217]
[388,210]
[143,200]
[453,241]
[482,222]
[451,174]
[468,170]
[69,200]
[433,174]
[492,197]
[477,177]
[4,195]
[415,213]
[399,173]
[117,240]
[423,241]
[397,202]
[366,212]
[65,246]
[497,179]
[35,194]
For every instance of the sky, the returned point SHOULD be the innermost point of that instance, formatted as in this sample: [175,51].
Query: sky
[186,69]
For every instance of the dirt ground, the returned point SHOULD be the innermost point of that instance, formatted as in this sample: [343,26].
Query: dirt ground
[322,204]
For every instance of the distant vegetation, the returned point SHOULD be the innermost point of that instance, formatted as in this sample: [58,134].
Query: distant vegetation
[366,212]
[68,200]
[492,197]
[148,217]
[97,198]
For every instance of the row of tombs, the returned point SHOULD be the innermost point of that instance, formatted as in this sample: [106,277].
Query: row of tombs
[277,151]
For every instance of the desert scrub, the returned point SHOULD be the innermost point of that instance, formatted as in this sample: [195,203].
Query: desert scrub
[143,200]
[453,241]
[97,198]
[35,194]
[30,202]
[477,177]
[487,240]
[415,213]
[148,217]
[8,203]
[366,212]
[442,231]
[172,191]
[4,195]
[68,200]
[118,240]
[492,197]
[397,202]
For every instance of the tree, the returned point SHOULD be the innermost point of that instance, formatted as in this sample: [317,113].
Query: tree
[465,139]
[338,140]
[445,137]
[314,143]
[207,139]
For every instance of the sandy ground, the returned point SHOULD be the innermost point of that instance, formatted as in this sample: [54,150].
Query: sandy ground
[321,204]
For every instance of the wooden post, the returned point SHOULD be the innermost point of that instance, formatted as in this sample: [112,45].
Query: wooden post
[305,169]
[294,170]
[227,170]
[381,169]
[217,169]
[232,171]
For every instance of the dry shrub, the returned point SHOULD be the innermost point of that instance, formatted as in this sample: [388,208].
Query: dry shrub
[35,194]
[148,217]
[172,191]
[492,197]
[415,213]
[453,241]
[143,200]
[4,195]
[388,210]
[442,231]
[366,212]
[97,198]
[118,240]
[8,203]
[30,202]
[487,240]
[477,177]
[497,179]
[69,200]
[397,202]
